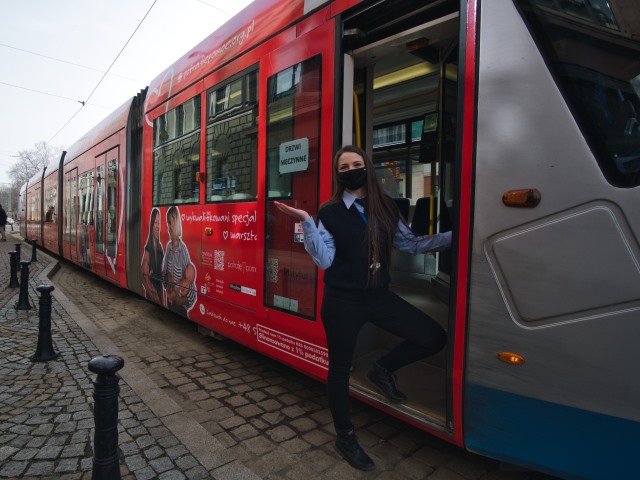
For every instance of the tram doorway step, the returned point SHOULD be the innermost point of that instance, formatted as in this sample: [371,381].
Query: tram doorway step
[423,383]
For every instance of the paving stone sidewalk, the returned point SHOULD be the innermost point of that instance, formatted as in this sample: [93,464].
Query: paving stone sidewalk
[46,408]
[190,406]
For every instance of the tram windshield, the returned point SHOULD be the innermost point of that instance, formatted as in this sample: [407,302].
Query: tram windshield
[594,52]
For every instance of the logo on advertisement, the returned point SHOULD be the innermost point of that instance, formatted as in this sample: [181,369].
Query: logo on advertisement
[241,289]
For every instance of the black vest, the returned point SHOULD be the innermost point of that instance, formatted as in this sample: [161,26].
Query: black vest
[350,267]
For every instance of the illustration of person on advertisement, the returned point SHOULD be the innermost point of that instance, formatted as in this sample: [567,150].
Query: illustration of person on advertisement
[178,273]
[152,259]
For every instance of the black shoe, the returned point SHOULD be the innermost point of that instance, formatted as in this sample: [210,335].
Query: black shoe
[383,379]
[347,445]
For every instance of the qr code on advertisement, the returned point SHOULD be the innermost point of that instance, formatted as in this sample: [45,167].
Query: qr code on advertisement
[272,270]
[218,260]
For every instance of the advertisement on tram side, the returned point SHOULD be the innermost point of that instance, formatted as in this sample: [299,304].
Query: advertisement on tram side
[195,254]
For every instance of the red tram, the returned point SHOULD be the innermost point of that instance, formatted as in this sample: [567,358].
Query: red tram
[466,110]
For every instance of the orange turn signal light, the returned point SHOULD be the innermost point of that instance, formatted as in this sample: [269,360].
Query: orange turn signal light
[526,198]
[510,358]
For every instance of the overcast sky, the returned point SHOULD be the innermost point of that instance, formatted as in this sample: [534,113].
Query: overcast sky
[53,55]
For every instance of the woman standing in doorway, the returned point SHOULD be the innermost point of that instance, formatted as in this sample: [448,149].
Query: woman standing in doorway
[357,229]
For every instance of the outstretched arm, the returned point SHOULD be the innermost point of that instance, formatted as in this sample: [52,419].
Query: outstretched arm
[318,242]
[406,241]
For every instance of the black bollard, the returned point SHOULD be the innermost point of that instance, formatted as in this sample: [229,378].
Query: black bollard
[23,299]
[18,252]
[44,350]
[33,251]
[106,464]
[13,262]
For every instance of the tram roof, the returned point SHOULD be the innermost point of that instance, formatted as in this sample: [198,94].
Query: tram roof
[115,121]
[250,27]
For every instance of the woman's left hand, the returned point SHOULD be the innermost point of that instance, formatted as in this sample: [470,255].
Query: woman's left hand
[296,213]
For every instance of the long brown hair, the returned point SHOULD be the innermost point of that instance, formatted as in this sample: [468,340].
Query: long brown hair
[382,213]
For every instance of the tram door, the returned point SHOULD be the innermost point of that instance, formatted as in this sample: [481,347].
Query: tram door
[106,223]
[86,224]
[402,91]
[299,83]
[34,227]
[71,214]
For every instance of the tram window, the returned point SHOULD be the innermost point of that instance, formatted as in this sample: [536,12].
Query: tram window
[86,198]
[112,194]
[286,81]
[50,202]
[176,155]
[34,207]
[100,195]
[293,129]
[397,159]
[232,140]
[67,208]
[597,74]
[73,209]
[85,202]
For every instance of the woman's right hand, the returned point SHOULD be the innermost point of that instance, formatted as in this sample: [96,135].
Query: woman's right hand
[296,213]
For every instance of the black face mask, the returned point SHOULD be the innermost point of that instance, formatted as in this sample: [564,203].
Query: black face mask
[353,179]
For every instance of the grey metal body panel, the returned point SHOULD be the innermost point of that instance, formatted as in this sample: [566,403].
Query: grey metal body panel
[559,283]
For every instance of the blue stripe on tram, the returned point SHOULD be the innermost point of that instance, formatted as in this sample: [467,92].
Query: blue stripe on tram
[559,440]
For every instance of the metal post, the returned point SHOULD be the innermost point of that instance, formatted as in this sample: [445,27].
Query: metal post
[44,350]
[13,262]
[18,251]
[23,299]
[33,251]
[106,465]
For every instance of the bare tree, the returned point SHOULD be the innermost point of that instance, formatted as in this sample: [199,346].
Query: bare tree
[28,164]
[31,161]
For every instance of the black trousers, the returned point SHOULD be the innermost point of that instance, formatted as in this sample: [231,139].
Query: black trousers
[343,317]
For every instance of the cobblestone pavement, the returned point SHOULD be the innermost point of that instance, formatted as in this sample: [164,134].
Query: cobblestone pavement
[190,406]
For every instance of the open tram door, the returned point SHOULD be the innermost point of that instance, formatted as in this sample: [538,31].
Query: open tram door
[399,104]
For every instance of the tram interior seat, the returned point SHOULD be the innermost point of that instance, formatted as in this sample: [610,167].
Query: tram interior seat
[420,221]
[403,205]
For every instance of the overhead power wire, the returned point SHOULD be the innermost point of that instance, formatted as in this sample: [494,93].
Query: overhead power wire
[122,50]
[105,73]
[67,62]
[217,8]
[53,95]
